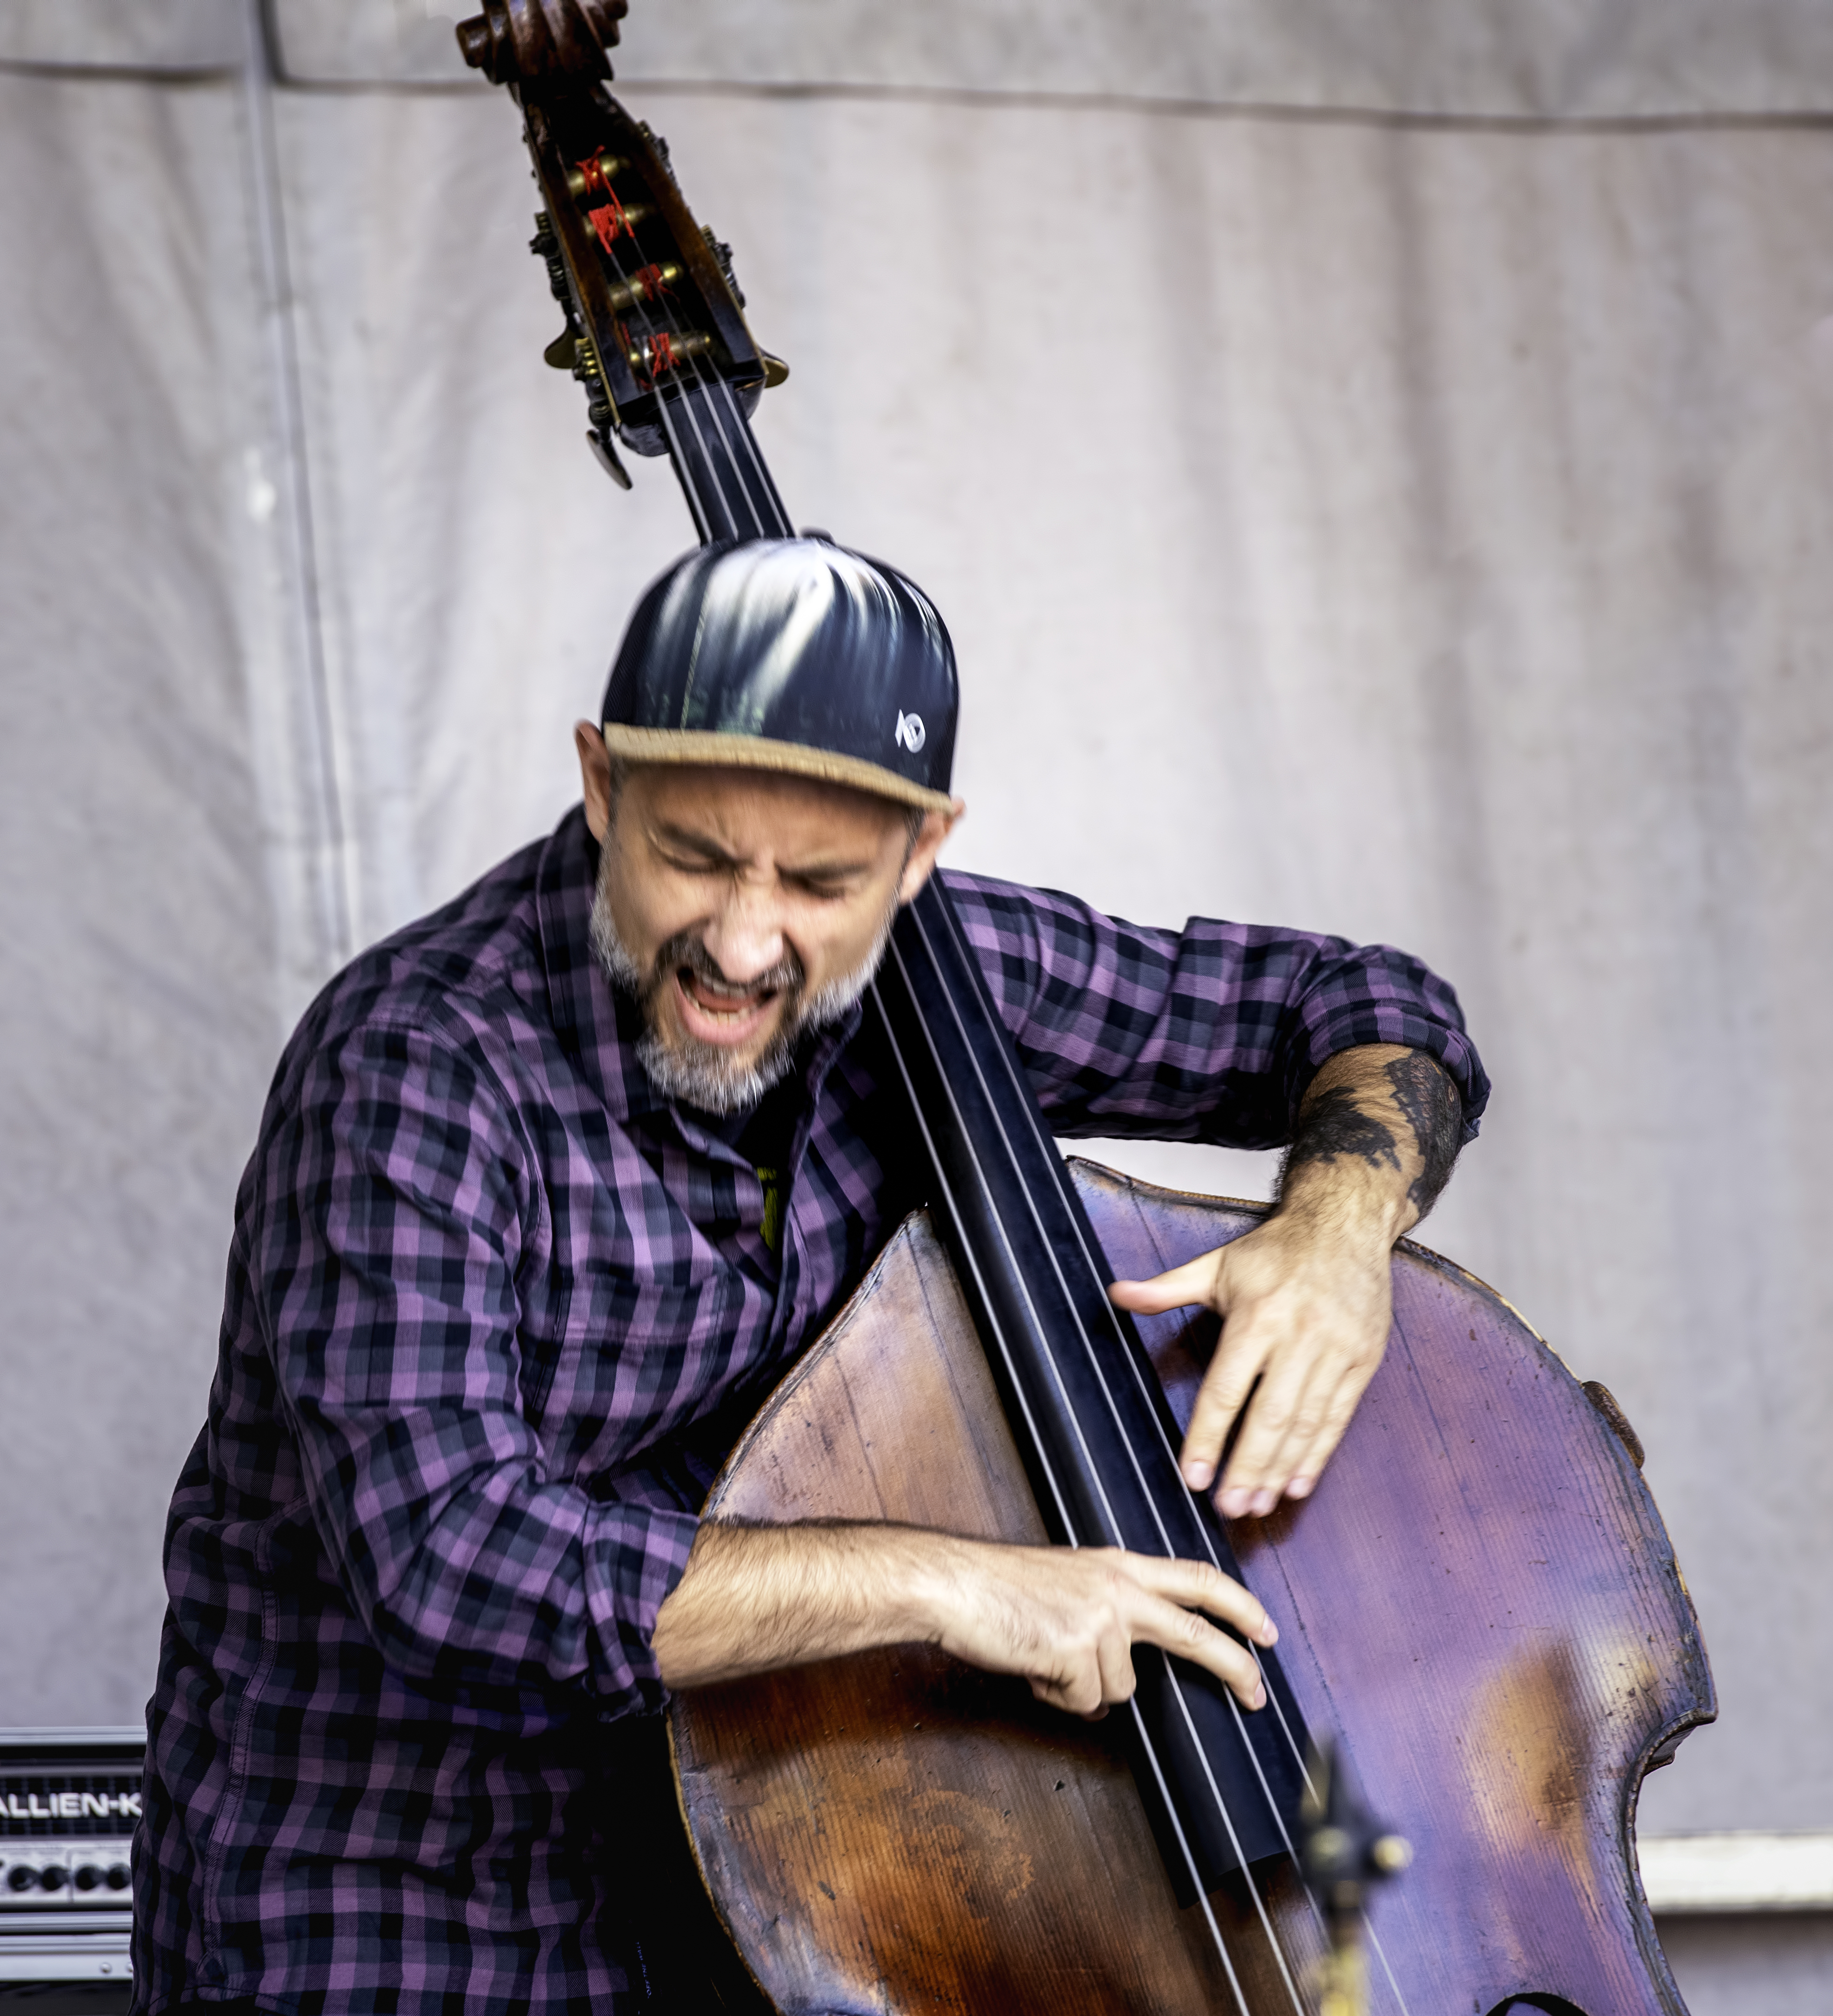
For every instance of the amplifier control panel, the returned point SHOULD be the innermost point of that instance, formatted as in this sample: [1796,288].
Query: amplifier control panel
[94,1875]
[68,1802]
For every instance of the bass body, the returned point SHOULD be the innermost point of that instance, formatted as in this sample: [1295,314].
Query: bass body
[1480,1601]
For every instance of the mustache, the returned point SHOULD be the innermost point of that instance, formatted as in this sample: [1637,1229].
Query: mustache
[685,952]
[696,1073]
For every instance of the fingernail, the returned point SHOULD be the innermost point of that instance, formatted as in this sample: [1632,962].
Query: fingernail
[1270,1633]
[1264,1502]
[1259,1699]
[1197,1473]
[1300,1487]
[1233,1502]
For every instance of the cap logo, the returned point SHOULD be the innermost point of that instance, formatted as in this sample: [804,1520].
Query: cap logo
[910,733]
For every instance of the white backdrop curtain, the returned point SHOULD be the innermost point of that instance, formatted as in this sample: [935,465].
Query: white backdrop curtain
[1375,463]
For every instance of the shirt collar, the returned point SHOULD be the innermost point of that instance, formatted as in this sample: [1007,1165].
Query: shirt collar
[599,1025]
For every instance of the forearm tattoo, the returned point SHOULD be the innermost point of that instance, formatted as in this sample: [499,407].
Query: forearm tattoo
[1427,1093]
[1334,1124]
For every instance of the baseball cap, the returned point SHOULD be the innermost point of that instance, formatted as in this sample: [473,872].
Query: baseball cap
[792,655]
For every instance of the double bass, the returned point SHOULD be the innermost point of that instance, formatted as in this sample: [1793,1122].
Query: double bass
[1484,1635]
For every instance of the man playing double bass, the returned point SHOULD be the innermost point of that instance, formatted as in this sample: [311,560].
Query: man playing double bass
[551,1187]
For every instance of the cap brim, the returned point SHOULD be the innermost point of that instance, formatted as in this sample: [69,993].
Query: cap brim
[757,752]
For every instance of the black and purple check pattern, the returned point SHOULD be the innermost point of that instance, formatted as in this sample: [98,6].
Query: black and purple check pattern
[495,1312]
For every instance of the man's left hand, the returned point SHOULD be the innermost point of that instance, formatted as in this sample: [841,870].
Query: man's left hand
[1305,1298]
[1305,1315]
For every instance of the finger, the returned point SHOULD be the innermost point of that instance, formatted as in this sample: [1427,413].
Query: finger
[1118,1680]
[1307,1464]
[1075,1687]
[1269,1416]
[1177,1288]
[1200,1585]
[1316,1383]
[1053,1696]
[1192,1636]
[1243,1350]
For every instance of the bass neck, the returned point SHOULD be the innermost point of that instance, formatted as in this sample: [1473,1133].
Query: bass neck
[730,492]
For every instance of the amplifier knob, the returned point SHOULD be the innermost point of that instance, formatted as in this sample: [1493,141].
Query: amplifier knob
[120,1876]
[53,1875]
[88,1876]
[22,1876]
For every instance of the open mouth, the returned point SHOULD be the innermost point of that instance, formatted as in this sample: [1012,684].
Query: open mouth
[716,1011]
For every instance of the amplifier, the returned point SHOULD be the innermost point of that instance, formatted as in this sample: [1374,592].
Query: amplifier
[69,1801]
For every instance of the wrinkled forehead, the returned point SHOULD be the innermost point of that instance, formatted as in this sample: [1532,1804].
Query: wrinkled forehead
[745,810]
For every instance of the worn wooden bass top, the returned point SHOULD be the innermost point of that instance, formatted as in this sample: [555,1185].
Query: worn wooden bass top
[1480,1600]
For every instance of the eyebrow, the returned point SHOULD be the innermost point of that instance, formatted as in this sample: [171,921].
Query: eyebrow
[697,843]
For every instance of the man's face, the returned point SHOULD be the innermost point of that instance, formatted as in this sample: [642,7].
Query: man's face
[741,907]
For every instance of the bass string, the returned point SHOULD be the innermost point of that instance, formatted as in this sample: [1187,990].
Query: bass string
[1046,1145]
[1142,1735]
[1027,1105]
[680,398]
[741,426]
[711,464]
[740,429]
[1176,1685]
[707,389]
[766,487]
[1216,1795]
[697,503]
[1002,1344]
[684,395]
[714,386]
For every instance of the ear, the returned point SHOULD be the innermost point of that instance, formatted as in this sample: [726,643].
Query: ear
[935,829]
[594,771]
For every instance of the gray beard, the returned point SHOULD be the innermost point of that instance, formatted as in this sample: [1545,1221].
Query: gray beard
[702,1075]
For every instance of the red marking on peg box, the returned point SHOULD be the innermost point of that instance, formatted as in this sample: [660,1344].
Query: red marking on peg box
[609,220]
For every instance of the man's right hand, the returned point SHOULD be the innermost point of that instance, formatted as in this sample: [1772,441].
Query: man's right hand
[756,1598]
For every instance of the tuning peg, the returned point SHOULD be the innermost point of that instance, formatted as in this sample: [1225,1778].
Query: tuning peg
[586,366]
[654,355]
[562,353]
[607,460]
[612,220]
[546,247]
[593,176]
[642,286]
[723,255]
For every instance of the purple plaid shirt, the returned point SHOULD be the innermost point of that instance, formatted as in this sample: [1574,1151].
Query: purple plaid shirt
[495,1312]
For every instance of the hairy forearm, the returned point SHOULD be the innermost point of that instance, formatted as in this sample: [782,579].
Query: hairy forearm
[754,1598]
[1377,1136]
[1063,1618]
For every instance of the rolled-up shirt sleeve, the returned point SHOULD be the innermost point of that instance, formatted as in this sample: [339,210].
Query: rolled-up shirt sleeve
[1208,1034]
[384,1259]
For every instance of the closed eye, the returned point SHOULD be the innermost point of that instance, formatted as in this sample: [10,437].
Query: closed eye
[696,864]
[823,888]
